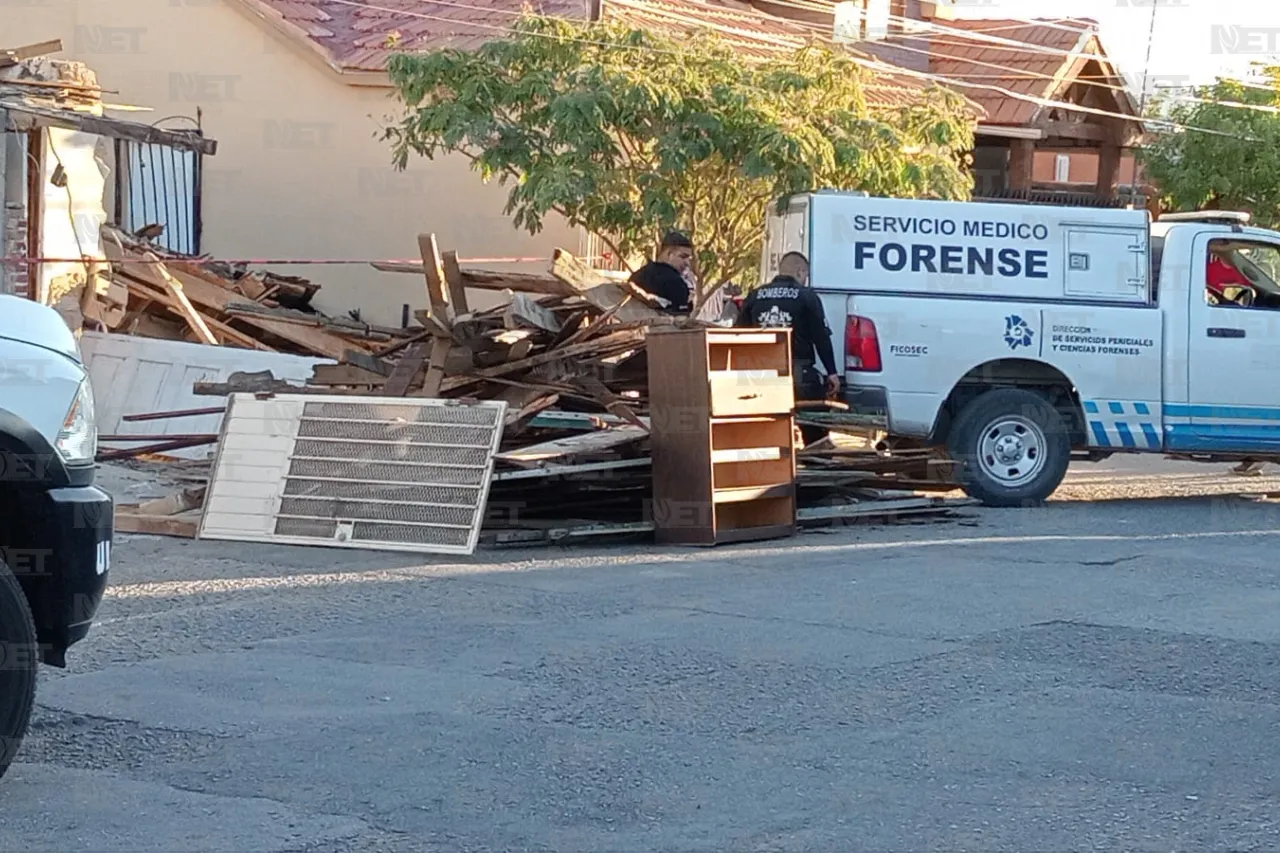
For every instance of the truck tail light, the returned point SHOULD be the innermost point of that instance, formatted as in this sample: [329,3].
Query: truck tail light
[861,345]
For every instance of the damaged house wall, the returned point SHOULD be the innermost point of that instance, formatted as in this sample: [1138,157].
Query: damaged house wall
[58,141]
[74,181]
[54,187]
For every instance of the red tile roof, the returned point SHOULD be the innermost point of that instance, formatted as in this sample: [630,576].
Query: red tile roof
[751,33]
[1039,73]
[355,38]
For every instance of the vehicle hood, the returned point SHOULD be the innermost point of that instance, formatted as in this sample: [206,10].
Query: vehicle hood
[39,325]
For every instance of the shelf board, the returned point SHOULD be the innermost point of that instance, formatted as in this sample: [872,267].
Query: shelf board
[744,338]
[751,534]
[746,376]
[744,494]
[746,454]
[748,419]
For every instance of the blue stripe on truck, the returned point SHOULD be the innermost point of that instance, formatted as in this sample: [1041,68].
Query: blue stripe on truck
[1100,434]
[1257,413]
[1133,432]
[1126,437]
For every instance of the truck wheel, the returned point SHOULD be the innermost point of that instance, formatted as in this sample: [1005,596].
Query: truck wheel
[17,666]
[1012,448]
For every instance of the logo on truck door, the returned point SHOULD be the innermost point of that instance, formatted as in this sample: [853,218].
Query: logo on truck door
[1016,332]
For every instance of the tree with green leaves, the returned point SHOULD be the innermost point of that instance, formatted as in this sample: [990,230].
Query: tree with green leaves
[1236,166]
[630,133]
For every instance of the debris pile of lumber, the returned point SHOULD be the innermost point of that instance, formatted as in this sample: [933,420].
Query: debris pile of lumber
[566,352]
[571,339]
[156,293]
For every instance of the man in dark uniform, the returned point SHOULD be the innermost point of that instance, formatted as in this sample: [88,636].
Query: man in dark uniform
[788,302]
[667,275]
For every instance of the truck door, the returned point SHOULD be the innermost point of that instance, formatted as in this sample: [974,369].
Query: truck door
[1233,348]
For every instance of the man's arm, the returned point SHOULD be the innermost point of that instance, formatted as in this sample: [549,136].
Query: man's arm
[819,332]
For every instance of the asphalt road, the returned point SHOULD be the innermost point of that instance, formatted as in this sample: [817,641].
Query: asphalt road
[1091,675]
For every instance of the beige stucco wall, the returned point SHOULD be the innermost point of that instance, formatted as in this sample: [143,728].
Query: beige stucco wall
[298,173]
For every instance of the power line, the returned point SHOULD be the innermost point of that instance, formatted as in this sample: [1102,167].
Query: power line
[1146,68]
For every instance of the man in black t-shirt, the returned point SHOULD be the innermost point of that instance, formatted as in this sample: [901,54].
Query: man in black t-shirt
[665,276]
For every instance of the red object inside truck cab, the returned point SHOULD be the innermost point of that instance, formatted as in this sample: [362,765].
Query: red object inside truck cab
[1222,274]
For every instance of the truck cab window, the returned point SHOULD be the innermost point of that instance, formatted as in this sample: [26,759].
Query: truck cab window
[1243,275]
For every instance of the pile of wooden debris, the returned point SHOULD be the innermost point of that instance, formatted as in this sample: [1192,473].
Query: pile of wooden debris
[160,294]
[566,352]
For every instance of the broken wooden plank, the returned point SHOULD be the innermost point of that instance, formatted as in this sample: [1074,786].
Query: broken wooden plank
[14,55]
[453,278]
[365,361]
[565,470]
[104,455]
[129,521]
[617,339]
[874,508]
[221,329]
[560,448]
[406,369]
[345,374]
[258,382]
[524,312]
[174,288]
[611,402]
[180,413]
[519,350]
[437,286]
[238,309]
[434,378]
[121,438]
[622,301]
[538,403]
[176,503]
[480,279]
[574,272]
[202,293]
[150,294]
[575,322]
[433,325]
[392,349]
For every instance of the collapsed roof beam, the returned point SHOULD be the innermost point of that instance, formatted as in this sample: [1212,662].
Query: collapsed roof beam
[27,117]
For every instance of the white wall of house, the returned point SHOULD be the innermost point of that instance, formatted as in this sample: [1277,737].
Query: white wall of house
[299,173]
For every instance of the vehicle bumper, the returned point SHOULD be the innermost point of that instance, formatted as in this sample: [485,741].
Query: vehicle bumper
[868,401]
[73,545]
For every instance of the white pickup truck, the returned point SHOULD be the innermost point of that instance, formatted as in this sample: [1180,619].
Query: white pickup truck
[1017,336]
[55,526]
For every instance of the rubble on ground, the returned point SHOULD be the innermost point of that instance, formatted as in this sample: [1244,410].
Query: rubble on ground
[566,352]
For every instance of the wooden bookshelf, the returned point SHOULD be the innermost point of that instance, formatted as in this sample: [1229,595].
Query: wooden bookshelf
[721,404]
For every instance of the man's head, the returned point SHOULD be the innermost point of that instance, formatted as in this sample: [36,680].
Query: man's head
[794,265]
[676,250]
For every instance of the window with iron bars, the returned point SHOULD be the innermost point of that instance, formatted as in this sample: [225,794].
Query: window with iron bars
[159,185]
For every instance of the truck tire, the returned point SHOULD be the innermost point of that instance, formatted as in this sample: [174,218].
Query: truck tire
[18,663]
[1012,447]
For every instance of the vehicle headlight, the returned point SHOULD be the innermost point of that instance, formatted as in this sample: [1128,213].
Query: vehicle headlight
[78,439]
